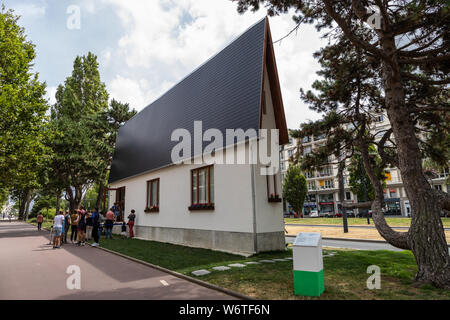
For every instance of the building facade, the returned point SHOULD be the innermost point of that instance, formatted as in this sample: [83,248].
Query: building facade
[220,206]
[323,187]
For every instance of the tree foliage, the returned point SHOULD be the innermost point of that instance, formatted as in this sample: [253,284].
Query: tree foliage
[22,107]
[295,188]
[399,66]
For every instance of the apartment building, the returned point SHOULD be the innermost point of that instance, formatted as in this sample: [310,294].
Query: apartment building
[323,187]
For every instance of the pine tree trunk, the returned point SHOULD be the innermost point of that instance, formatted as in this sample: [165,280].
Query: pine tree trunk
[426,235]
[101,189]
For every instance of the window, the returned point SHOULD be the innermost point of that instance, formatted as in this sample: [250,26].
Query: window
[152,196]
[290,153]
[438,187]
[306,139]
[326,184]
[307,150]
[202,188]
[347,196]
[310,174]
[326,197]
[326,171]
[272,188]
[319,136]
[311,185]
[379,118]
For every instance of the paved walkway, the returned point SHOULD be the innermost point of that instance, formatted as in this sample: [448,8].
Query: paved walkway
[32,269]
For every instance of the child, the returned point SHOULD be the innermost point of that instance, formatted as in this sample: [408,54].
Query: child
[124,230]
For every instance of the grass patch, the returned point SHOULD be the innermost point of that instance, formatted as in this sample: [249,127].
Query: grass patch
[393,222]
[345,271]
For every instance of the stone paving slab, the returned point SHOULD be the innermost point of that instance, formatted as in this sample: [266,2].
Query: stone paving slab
[221,268]
[201,272]
[237,265]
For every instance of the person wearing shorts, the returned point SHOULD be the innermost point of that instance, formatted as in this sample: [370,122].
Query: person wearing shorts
[57,229]
[109,223]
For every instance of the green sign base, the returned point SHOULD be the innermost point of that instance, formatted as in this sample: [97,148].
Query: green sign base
[307,283]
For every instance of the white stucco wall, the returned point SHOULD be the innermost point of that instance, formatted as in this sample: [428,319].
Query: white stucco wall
[269,214]
[232,198]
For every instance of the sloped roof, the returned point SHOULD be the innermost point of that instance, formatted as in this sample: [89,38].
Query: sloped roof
[224,93]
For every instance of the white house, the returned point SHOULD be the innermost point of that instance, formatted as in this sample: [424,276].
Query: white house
[225,207]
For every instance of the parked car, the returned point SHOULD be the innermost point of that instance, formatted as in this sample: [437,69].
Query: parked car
[338,215]
[327,214]
[313,214]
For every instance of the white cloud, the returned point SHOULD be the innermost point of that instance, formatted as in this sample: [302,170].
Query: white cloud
[165,40]
[50,95]
[30,10]
[136,92]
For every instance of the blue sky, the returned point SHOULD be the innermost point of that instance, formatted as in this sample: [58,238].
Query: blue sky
[146,46]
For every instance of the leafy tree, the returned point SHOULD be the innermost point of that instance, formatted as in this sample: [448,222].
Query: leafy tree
[398,65]
[76,161]
[295,188]
[109,123]
[22,112]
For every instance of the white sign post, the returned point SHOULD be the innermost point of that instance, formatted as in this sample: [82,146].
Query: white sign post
[308,264]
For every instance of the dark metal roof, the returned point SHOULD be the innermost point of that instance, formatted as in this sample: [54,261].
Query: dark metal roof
[224,93]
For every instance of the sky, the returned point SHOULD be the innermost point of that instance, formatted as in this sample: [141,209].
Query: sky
[145,47]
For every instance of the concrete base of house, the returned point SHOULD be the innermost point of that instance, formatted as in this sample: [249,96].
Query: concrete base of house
[233,242]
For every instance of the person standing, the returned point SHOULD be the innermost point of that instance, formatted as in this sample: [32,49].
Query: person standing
[109,223]
[116,210]
[95,225]
[39,220]
[57,228]
[88,225]
[67,224]
[74,225]
[131,219]
[81,227]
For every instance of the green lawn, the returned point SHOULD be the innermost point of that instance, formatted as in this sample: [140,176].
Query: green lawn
[394,222]
[345,272]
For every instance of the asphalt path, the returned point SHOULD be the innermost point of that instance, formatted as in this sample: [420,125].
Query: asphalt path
[32,269]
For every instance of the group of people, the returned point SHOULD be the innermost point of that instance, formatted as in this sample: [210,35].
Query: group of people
[85,225]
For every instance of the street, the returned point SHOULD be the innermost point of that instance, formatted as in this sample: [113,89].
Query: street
[32,269]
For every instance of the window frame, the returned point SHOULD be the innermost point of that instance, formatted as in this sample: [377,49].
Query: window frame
[201,205]
[148,207]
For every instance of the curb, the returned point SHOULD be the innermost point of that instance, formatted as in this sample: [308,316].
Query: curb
[348,239]
[353,240]
[182,276]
